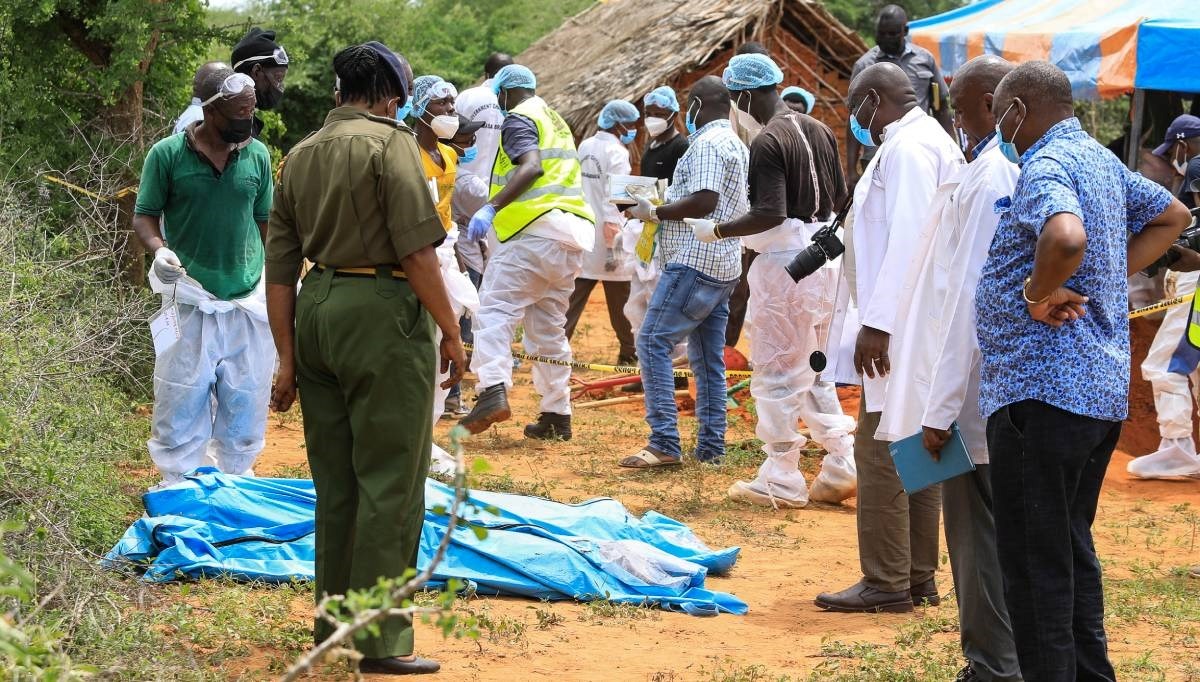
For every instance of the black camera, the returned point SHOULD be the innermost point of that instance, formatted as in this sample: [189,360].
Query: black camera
[1189,239]
[825,247]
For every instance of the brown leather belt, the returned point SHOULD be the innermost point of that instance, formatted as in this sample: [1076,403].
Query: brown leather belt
[361,272]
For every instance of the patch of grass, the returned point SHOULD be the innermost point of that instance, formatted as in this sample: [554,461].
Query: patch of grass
[744,454]
[505,483]
[1142,668]
[601,611]
[292,471]
[728,670]
[914,655]
[1169,601]
[548,619]
[498,628]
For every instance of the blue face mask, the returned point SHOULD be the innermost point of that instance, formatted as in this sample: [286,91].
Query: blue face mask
[689,121]
[403,112]
[468,155]
[863,135]
[627,136]
[1009,149]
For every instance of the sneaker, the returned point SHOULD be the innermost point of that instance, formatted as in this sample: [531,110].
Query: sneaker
[491,407]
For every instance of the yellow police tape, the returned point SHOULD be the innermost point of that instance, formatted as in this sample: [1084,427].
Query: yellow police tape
[611,369]
[1161,305]
[120,194]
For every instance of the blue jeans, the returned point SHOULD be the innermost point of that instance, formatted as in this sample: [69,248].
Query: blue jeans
[686,305]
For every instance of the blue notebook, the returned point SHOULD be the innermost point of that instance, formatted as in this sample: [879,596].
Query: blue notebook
[918,469]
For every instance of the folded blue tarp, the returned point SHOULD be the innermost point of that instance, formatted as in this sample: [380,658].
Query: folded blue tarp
[262,529]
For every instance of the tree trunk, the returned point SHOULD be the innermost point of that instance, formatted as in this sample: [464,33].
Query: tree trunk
[124,123]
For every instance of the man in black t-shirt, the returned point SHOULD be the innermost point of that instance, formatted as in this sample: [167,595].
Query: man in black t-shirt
[796,183]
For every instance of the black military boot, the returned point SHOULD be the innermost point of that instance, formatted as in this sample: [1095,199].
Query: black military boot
[491,406]
[550,426]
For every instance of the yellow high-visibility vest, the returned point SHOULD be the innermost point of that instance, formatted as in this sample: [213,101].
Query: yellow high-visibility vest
[1193,333]
[560,186]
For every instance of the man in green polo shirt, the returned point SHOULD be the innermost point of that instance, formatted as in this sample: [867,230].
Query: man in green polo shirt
[202,209]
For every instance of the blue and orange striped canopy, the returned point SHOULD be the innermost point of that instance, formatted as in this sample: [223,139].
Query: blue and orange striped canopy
[1107,47]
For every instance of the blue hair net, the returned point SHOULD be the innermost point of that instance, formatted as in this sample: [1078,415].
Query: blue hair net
[428,88]
[662,96]
[513,76]
[617,111]
[749,71]
[805,95]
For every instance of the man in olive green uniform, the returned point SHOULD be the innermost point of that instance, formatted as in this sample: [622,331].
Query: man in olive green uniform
[359,338]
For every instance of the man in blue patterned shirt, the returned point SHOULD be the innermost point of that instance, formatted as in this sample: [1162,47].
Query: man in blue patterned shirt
[1054,336]
[691,300]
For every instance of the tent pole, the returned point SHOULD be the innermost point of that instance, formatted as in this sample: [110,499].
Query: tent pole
[1135,130]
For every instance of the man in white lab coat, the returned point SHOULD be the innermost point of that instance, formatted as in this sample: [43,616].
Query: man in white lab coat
[935,378]
[897,533]
[608,264]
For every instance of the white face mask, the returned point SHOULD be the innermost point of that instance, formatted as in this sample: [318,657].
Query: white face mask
[656,126]
[744,122]
[1180,166]
[444,126]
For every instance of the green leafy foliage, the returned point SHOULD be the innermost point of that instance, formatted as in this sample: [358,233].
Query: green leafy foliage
[860,14]
[450,38]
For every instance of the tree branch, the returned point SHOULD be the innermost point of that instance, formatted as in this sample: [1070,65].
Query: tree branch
[97,52]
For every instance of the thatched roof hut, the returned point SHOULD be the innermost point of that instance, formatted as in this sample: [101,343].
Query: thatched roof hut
[625,48]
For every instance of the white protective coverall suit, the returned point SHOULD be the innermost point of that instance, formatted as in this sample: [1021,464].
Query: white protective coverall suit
[463,299]
[528,281]
[789,321]
[212,387]
[1176,455]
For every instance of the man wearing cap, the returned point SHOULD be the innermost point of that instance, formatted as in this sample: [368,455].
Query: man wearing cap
[892,46]
[541,226]
[1171,358]
[202,209]
[475,175]
[795,187]
[258,55]
[359,340]
[610,261]
[798,99]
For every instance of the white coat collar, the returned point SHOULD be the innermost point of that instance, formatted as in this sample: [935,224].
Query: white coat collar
[913,115]
[606,136]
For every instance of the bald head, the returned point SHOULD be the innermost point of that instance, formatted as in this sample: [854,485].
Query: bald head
[202,74]
[497,61]
[880,95]
[972,92]
[708,100]
[891,29]
[1030,100]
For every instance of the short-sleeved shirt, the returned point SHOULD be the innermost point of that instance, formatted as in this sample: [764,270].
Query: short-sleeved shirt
[518,136]
[920,66]
[444,180]
[210,217]
[660,161]
[717,161]
[1083,366]
[783,183]
[352,194]
[1191,183]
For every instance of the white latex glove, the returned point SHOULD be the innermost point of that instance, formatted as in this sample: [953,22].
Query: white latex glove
[166,265]
[643,210]
[611,230]
[705,230]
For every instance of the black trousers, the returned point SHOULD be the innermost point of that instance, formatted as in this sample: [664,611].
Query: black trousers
[615,296]
[1047,467]
[739,301]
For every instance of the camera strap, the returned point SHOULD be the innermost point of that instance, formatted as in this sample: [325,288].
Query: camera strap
[812,166]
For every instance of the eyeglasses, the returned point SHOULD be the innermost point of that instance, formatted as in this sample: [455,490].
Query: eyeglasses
[232,86]
[279,55]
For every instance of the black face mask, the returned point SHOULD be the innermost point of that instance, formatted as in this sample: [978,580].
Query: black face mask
[237,130]
[269,97]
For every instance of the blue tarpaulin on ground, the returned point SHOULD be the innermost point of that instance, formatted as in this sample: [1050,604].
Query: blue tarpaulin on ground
[262,529]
